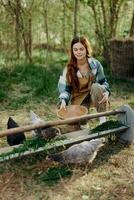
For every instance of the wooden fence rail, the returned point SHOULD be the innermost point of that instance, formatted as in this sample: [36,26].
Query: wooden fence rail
[58,122]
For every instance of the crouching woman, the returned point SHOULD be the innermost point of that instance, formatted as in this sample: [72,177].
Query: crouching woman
[83,81]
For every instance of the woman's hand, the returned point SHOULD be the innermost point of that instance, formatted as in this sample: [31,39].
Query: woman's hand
[63,105]
[105,97]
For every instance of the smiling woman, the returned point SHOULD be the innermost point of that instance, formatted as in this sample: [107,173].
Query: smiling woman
[83,81]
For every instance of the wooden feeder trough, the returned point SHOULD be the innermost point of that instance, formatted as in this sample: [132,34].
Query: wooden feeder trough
[125,115]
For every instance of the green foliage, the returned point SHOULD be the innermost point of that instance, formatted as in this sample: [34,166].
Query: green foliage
[111,124]
[17,102]
[3,95]
[102,61]
[30,144]
[60,27]
[131,102]
[119,85]
[2,170]
[53,175]
[23,83]
[33,143]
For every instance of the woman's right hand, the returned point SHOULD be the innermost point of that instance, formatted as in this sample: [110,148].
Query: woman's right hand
[63,105]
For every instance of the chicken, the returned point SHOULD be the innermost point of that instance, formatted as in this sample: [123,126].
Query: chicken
[84,152]
[35,118]
[17,138]
[47,133]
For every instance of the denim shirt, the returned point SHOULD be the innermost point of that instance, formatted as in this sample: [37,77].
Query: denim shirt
[97,70]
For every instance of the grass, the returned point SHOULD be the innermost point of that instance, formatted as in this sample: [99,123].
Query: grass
[24,83]
[33,143]
[111,124]
[53,175]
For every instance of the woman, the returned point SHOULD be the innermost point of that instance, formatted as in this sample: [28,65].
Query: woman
[83,81]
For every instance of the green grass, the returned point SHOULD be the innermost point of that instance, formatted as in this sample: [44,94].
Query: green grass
[53,175]
[131,102]
[24,83]
[111,124]
[31,144]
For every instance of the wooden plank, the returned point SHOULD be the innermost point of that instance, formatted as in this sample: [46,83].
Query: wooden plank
[57,122]
[72,138]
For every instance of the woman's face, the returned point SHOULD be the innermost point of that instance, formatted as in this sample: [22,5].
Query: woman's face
[79,51]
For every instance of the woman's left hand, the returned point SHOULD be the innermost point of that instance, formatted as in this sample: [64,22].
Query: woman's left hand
[105,97]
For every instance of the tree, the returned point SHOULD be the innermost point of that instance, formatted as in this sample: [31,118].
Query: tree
[64,24]
[14,9]
[26,24]
[23,25]
[45,14]
[75,17]
[132,26]
[106,15]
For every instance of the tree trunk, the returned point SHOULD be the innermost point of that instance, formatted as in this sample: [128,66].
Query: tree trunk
[30,38]
[22,29]
[17,27]
[97,27]
[27,39]
[75,17]
[45,14]
[107,24]
[132,27]
[104,17]
[63,25]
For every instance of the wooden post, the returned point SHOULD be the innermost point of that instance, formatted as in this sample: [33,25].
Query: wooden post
[128,120]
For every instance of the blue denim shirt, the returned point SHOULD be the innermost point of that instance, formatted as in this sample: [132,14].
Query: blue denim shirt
[97,70]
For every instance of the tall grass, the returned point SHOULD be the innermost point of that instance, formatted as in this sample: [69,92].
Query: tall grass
[36,82]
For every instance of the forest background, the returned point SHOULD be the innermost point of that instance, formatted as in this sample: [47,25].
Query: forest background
[50,24]
[35,39]
[39,33]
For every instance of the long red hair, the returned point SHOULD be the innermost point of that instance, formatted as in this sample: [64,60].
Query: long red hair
[72,64]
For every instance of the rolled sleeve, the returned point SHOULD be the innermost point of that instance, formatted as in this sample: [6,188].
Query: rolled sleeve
[64,88]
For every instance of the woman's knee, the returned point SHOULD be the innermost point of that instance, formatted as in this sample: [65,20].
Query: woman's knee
[96,88]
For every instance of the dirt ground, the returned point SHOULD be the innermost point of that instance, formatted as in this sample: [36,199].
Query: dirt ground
[110,176]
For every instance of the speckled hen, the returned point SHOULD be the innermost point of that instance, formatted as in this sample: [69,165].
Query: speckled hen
[84,152]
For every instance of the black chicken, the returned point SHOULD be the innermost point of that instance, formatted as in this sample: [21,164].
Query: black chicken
[17,138]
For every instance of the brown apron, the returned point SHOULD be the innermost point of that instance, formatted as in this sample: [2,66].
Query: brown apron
[83,90]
